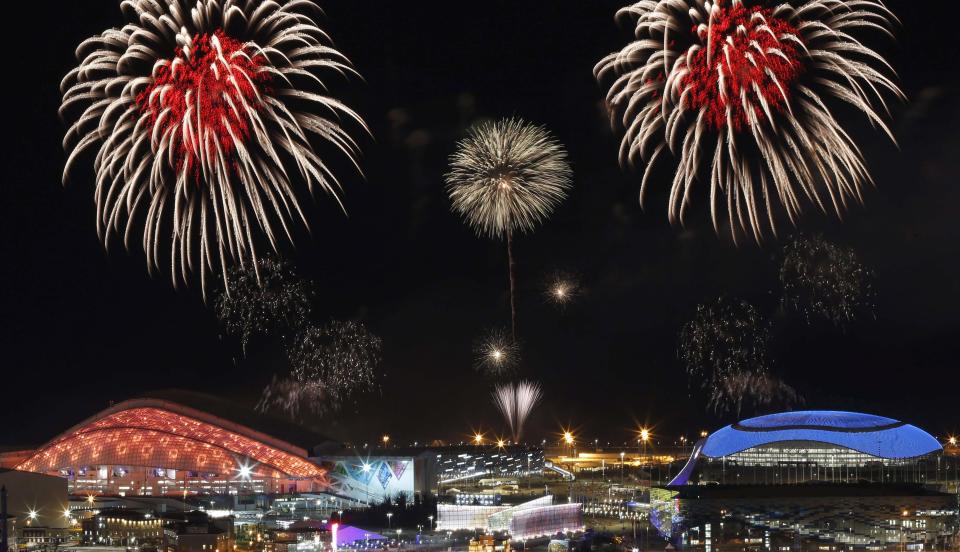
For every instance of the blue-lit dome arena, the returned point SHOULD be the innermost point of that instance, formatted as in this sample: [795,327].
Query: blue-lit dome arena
[812,446]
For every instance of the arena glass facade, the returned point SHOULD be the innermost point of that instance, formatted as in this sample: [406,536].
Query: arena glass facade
[816,446]
[155,447]
[461,463]
[539,517]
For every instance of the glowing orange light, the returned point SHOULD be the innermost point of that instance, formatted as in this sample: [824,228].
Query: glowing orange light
[155,437]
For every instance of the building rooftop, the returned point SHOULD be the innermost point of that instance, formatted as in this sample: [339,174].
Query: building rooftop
[874,435]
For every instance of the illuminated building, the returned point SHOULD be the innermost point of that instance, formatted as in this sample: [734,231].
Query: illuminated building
[815,447]
[122,527]
[37,508]
[461,463]
[486,543]
[366,475]
[155,446]
[367,478]
[537,518]
[196,532]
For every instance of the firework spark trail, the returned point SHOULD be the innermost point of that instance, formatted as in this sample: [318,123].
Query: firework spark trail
[516,401]
[203,115]
[497,354]
[724,350]
[824,280]
[529,395]
[508,176]
[742,91]
[505,398]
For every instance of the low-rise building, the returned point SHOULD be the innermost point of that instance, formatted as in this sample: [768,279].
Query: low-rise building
[121,527]
[196,532]
[38,512]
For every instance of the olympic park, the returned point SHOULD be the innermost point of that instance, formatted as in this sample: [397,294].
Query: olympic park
[156,455]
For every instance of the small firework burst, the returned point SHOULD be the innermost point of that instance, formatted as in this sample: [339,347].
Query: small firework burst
[740,390]
[742,91]
[497,354]
[205,115]
[724,350]
[562,288]
[329,365]
[516,401]
[727,336]
[294,399]
[266,297]
[341,358]
[824,280]
[507,176]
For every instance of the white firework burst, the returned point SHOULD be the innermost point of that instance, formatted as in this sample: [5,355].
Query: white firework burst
[742,90]
[204,115]
[506,176]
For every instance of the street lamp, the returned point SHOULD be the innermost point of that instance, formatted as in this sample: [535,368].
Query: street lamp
[478,439]
[386,441]
[389,515]
[431,522]
[644,437]
[622,454]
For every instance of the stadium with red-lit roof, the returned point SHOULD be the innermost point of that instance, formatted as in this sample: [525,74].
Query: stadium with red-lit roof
[158,445]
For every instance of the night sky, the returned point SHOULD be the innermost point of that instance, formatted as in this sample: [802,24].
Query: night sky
[83,327]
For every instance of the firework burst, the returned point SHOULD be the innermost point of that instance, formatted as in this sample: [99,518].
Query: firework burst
[293,398]
[561,289]
[263,298]
[329,365]
[508,176]
[741,390]
[742,90]
[823,280]
[497,354]
[340,357]
[724,350]
[516,401]
[203,115]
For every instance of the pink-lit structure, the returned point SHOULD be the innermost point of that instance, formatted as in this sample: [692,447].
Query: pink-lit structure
[157,447]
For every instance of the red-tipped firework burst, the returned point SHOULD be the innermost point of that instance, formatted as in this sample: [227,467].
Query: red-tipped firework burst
[740,90]
[205,114]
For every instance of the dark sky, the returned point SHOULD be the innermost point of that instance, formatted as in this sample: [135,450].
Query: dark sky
[84,327]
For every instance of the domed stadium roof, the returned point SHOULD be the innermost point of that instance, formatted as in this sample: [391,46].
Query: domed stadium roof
[151,432]
[874,435]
